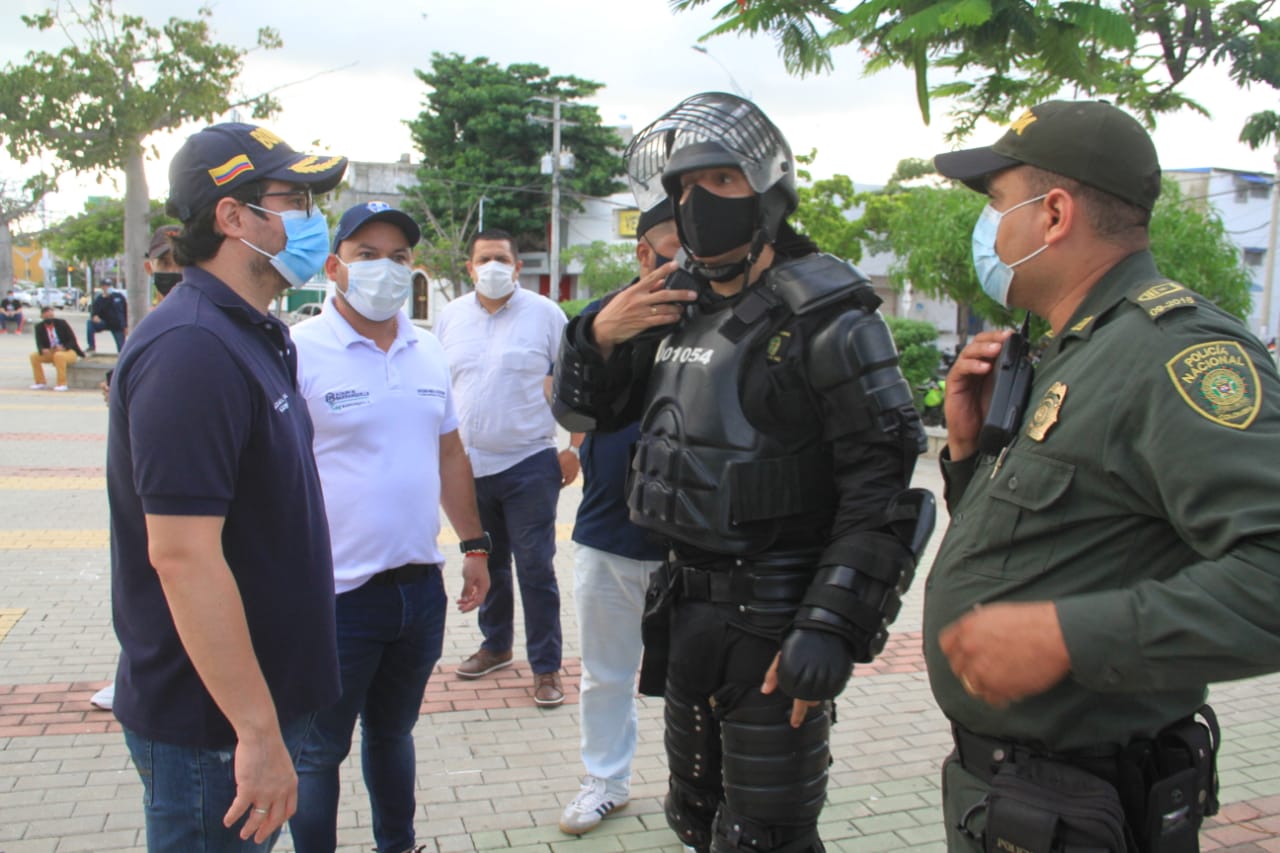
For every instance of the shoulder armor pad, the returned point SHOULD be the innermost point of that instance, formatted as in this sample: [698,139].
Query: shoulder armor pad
[1160,298]
[815,281]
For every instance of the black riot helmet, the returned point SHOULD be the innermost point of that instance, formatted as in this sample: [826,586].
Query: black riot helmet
[709,130]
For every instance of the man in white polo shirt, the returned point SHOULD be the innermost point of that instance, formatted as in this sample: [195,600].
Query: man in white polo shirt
[501,341]
[378,390]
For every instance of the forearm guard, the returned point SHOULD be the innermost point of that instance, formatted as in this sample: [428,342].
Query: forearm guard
[572,394]
[858,593]
[590,393]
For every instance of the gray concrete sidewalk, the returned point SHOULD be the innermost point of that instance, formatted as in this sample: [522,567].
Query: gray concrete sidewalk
[494,770]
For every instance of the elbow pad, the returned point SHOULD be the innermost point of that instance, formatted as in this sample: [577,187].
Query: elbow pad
[571,385]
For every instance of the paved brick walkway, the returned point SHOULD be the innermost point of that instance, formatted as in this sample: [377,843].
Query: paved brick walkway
[494,770]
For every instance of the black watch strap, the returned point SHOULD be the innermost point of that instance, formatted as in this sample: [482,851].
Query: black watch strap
[480,543]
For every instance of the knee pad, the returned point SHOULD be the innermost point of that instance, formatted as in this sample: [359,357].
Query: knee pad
[690,813]
[775,774]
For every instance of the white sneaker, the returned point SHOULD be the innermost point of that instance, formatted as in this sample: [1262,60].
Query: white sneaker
[60,387]
[597,798]
[39,386]
[103,698]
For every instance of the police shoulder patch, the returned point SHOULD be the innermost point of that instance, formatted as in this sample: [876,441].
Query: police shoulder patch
[1218,380]
[1159,299]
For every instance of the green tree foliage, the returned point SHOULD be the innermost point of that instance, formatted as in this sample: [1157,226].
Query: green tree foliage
[605,266]
[917,343]
[1001,55]
[92,105]
[821,214]
[98,232]
[476,140]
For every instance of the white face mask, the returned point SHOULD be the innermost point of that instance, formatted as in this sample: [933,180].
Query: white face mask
[495,279]
[377,289]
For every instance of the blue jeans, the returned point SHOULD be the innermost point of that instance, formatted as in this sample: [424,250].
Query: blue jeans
[91,327]
[389,639]
[186,791]
[609,591]
[518,508]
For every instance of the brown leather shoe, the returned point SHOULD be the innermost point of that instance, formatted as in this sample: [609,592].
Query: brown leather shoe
[483,662]
[546,689]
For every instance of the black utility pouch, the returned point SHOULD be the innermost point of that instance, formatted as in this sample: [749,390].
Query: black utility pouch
[1043,806]
[1185,789]
[655,629]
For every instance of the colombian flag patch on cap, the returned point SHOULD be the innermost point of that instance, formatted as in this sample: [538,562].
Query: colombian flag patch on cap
[231,169]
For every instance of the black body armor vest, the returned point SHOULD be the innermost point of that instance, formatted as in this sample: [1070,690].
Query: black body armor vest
[702,473]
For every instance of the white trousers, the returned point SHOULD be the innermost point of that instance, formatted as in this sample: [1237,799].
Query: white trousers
[609,591]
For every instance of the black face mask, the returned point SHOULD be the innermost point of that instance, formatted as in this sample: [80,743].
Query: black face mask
[713,224]
[164,281]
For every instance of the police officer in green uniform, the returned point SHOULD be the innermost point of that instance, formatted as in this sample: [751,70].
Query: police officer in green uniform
[1122,551]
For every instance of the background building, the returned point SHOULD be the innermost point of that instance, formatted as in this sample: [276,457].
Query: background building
[1242,201]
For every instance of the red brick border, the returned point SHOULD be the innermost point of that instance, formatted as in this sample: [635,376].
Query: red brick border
[28,710]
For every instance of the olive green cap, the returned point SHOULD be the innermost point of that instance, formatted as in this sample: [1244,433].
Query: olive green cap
[1091,141]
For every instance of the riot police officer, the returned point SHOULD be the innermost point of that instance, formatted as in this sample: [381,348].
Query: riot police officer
[777,440]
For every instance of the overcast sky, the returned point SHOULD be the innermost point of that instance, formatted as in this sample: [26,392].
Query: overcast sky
[860,126]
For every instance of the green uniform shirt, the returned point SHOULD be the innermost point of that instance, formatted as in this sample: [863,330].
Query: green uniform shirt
[1142,497]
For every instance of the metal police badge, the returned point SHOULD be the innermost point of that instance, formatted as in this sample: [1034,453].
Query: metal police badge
[1219,381]
[1046,413]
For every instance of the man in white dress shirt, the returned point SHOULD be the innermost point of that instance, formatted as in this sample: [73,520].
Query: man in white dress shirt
[502,341]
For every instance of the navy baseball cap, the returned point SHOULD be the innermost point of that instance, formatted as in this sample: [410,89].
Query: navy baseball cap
[656,215]
[375,211]
[160,244]
[222,157]
[1091,141]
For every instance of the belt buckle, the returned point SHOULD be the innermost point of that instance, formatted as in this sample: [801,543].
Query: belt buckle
[695,583]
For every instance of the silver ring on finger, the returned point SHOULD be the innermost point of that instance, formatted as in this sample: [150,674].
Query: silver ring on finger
[257,810]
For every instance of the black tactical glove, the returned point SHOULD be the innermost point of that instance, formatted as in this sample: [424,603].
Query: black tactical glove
[814,664]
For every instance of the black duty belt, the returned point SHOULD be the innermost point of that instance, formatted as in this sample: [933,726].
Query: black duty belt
[742,585]
[408,573]
[982,755]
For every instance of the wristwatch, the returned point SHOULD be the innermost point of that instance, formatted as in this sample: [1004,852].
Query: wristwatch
[482,544]
[573,450]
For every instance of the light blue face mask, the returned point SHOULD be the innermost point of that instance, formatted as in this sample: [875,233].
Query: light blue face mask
[994,274]
[306,245]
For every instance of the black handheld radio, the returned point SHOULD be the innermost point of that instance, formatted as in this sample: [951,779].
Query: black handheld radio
[1012,392]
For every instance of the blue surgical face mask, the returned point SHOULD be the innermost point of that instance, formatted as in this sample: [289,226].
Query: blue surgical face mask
[306,245]
[994,274]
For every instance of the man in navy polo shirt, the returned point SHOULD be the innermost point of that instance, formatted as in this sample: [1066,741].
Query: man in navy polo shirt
[390,457]
[222,580]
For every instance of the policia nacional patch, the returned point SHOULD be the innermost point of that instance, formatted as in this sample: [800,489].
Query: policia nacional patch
[1218,380]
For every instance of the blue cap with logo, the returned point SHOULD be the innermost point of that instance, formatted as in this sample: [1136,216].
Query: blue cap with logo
[222,157]
[375,211]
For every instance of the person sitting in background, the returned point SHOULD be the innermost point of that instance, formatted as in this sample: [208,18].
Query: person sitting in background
[110,312]
[56,344]
[11,312]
